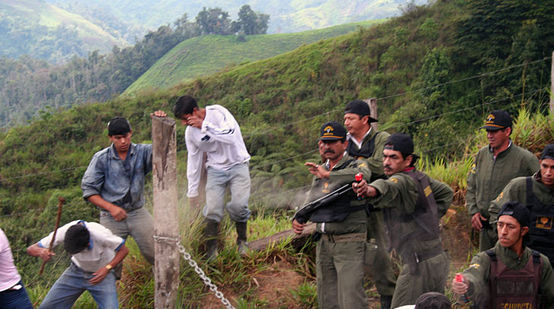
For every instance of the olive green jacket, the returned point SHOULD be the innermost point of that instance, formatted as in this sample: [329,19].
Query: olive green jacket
[400,191]
[356,222]
[488,176]
[478,273]
[516,190]
[375,162]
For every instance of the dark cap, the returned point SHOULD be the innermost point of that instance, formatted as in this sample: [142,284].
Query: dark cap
[359,107]
[332,131]
[400,142]
[76,239]
[497,120]
[118,126]
[548,152]
[516,210]
[432,300]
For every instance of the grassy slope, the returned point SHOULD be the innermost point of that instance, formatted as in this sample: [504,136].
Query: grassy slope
[208,54]
[51,16]
[275,100]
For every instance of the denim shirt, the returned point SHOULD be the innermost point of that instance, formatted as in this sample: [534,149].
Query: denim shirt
[116,181]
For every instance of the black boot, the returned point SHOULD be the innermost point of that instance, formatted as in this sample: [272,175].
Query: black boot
[386,301]
[241,237]
[210,234]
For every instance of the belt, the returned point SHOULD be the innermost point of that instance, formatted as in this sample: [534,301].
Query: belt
[346,237]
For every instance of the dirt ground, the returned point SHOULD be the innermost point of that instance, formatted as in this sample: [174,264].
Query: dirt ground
[273,286]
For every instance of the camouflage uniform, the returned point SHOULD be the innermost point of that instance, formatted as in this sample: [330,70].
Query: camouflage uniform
[341,248]
[424,262]
[489,176]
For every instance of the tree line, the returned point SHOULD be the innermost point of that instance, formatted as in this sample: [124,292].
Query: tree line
[29,85]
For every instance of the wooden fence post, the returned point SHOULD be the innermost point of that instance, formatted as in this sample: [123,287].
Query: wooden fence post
[372,102]
[166,225]
[552,86]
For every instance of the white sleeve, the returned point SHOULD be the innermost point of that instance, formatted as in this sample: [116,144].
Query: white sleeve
[221,126]
[60,235]
[194,165]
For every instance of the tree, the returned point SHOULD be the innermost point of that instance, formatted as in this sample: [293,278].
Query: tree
[250,22]
[213,21]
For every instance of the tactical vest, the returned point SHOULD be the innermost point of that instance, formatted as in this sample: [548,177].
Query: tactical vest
[425,216]
[340,208]
[365,151]
[514,288]
[541,232]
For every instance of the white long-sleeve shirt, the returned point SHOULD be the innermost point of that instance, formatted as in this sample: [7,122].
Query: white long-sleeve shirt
[220,138]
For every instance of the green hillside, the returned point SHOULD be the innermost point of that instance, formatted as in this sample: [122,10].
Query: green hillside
[436,72]
[49,32]
[206,55]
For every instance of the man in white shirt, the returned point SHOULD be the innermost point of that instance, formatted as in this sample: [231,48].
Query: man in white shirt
[95,251]
[213,130]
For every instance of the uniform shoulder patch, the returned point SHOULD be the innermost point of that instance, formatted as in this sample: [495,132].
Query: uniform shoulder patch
[500,196]
[476,266]
[394,179]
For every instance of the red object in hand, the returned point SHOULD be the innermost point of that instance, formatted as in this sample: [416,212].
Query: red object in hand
[359,177]
[459,278]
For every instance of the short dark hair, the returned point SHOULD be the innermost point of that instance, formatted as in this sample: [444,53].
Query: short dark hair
[184,105]
[76,239]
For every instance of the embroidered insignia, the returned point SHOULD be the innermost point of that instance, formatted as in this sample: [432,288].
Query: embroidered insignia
[395,180]
[490,119]
[427,191]
[476,266]
[544,223]
[500,196]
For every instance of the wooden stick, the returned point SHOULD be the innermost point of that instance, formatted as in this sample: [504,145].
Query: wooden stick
[61,201]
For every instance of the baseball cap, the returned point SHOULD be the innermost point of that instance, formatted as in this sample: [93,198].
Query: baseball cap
[359,107]
[332,131]
[497,120]
[400,142]
[516,210]
[548,152]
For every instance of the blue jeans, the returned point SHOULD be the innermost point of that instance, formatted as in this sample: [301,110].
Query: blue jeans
[139,224]
[73,282]
[15,299]
[238,180]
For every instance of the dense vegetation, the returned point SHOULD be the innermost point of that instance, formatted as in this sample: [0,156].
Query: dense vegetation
[431,75]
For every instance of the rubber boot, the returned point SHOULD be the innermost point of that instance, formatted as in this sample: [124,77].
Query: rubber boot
[241,237]
[386,301]
[210,234]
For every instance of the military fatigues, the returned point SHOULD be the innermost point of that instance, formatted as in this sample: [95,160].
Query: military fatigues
[541,206]
[479,276]
[413,230]
[489,176]
[341,248]
[381,267]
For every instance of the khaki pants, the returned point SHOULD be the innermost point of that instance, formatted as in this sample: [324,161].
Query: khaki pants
[430,276]
[340,275]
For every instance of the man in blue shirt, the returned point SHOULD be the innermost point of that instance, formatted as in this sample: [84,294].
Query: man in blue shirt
[114,181]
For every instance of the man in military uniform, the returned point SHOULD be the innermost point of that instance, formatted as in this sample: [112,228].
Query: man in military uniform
[495,165]
[537,193]
[412,205]
[510,275]
[342,224]
[367,144]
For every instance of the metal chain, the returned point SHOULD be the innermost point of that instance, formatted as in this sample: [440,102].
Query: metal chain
[207,281]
